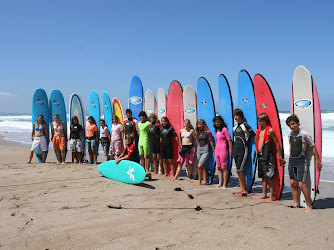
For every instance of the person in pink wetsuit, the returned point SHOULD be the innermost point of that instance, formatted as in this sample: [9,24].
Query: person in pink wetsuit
[223,139]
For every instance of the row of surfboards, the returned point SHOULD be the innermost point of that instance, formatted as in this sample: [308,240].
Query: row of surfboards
[254,97]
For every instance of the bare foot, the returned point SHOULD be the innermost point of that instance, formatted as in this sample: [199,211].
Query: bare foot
[58,162]
[308,210]
[166,175]
[219,185]
[204,183]
[155,172]
[28,162]
[160,173]
[63,163]
[259,197]
[199,183]
[239,192]
[174,178]
[269,200]
[224,187]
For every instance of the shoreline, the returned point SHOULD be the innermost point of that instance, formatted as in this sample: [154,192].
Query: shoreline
[45,206]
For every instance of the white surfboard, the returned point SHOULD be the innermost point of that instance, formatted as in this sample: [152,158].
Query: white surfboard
[162,103]
[150,103]
[303,106]
[190,112]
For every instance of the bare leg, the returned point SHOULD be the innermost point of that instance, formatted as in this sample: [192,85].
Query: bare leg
[90,157]
[105,156]
[43,157]
[179,168]
[205,175]
[58,155]
[225,173]
[31,156]
[148,163]
[95,157]
[142,161]
[79,157]
[242,181]
[73,156]
[155,162]
[303,188]
[171,163]
[264,190]
[200,174]
[220,177]
[165,162]
[190,170]
[63,156]
[294,192]
[272,190]
[160,164]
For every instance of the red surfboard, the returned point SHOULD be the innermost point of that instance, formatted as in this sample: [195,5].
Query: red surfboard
[265,103]
[175,115]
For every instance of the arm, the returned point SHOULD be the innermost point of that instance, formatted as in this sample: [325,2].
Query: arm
[83,133]
[46,132]
[212,146]
[65,131]
[108,134]
[52,131]
[194,134]
[96,137]
[231,147]
[122,136]
[33,131]
[278,148]
[317,158]
[121,157]
[178,141]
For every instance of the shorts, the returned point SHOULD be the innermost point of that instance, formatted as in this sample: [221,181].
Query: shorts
[58,142]
[166,151]
[189,155]
[221,157]
[91,144]
[266,168]
[105,147]
[144,148]
[155,147]
[76,145]
[39,142]
[115,148]
[240,160]
[203,154]
[297,169]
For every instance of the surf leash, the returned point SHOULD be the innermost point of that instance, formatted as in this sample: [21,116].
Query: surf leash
[183,189]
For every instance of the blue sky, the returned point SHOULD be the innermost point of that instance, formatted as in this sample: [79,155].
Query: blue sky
[77,46]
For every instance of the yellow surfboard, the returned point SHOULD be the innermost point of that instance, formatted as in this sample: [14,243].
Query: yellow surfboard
[118,111]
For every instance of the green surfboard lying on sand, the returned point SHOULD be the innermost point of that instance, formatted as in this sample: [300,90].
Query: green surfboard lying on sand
[125,171]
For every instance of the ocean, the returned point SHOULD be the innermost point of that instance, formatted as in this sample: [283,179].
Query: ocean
[17,128]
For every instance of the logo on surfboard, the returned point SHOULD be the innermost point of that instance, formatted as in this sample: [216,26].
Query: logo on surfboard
[161,111]
[245,99]
[107,106]
[38,101]
[93,104]
[135,100]
[149,111]
[303,104]
[204,102]
[189,110]
[130,171]
[56,103]
[263,105]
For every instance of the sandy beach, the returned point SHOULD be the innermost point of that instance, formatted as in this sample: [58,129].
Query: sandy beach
[50,206]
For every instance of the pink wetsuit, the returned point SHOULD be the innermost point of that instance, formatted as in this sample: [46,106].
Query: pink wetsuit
[221,151]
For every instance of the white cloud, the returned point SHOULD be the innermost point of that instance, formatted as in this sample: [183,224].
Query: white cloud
[6,94]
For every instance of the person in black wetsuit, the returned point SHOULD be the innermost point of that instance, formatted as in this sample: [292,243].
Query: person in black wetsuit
[166,134]
[242,132]
[155,143]
[130,125]
[75,141]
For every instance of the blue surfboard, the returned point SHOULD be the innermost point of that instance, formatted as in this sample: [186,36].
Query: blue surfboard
[136,97]
[94,110]
[206,111]
[40,107]
[226,110]
[57,106]
[125,171]
[246,102]
[76,108]
[107,110]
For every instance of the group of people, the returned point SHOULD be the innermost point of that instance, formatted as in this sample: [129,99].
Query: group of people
[152,138]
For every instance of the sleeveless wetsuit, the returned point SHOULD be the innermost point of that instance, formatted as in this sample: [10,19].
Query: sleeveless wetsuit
[166,145]
[221,152]
[264,159]
[155,137]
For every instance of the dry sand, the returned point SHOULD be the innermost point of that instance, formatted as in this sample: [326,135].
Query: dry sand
[50,206]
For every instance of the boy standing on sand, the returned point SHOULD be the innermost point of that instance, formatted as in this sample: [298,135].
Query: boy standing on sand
[242,132]
[298,140]
[265,135]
